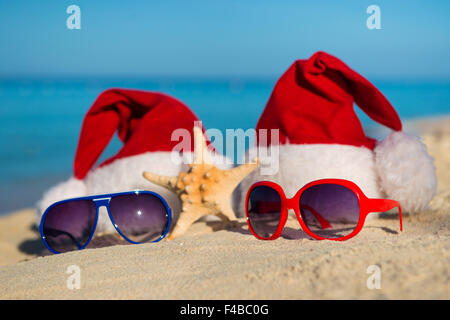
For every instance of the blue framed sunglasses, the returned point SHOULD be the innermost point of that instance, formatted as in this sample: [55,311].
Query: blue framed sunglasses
[138,216]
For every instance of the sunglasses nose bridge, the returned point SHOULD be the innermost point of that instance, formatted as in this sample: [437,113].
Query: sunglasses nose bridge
[102,202]
[291,204]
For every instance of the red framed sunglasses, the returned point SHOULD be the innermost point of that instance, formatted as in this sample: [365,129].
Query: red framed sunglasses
[327,209]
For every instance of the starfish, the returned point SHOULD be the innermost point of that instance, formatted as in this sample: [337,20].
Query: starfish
[204,189]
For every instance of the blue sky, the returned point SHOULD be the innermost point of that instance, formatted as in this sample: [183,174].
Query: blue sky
[221,37]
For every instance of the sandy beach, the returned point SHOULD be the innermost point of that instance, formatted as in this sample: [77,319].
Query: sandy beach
[212,261]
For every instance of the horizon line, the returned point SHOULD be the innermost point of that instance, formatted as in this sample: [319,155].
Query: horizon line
[194,77]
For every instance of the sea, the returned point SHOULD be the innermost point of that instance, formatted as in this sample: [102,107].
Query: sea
[40,119]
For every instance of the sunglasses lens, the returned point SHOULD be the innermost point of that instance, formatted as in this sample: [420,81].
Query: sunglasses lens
[67,226]
[141,217]
[264,211]
[330,210]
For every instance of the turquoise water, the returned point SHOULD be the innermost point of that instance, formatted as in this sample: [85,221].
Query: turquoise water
[40,119]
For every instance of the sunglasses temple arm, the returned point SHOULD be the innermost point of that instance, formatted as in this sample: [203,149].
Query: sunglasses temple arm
[324,224]
[382,205]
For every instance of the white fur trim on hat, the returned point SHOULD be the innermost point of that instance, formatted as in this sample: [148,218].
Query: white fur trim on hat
[125,175]
[303,163]
[406,171]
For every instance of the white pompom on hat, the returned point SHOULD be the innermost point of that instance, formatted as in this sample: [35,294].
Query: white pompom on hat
[406,171]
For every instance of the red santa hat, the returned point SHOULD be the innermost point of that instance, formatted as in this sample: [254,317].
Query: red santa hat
[320,135]
[145,122]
